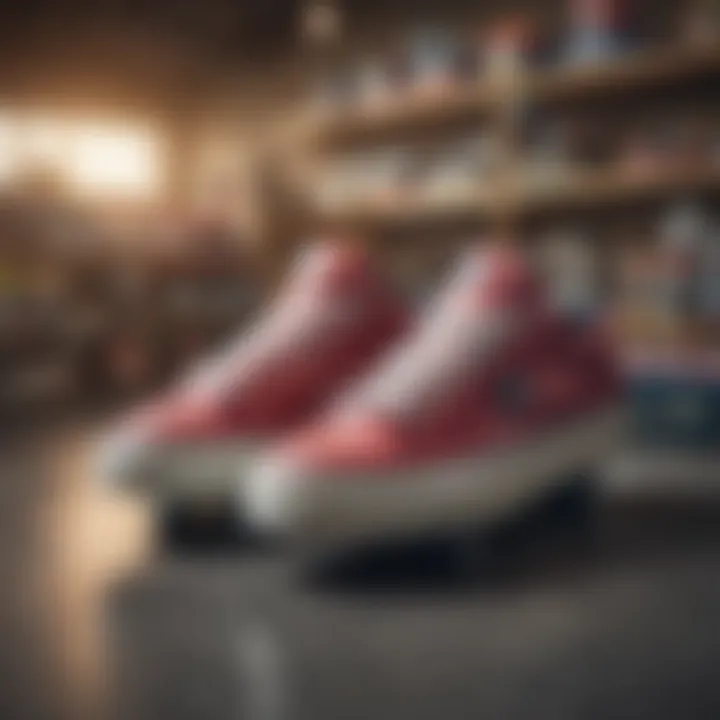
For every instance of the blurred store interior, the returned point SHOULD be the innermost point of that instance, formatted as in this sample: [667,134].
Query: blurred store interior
[160,164]
[159,169]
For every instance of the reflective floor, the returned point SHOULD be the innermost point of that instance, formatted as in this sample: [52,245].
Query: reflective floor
[94,625]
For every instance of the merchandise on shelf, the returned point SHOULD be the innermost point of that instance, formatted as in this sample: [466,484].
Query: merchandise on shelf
[462,170]
[435,61]
[336,93]
[708,290]
[394,176]
[346,181]
[336,185]
[377,83]
[459,170]
[675,401]
[599,30]
[560,151]
[649,152]
[510,46]
[683,234]
[377,178]
[671,298]
[571,264]
[636,322]
[549,159]
[675,145]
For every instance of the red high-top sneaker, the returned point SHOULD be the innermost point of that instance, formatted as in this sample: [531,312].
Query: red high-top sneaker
[332,317]
[489,403]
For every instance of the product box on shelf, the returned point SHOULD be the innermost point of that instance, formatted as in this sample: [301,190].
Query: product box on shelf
[336,93]
[393,176]
[435,61]
[669,321]
[510,46]
[378,82]
[675,400]
[676,145]
[377,178]
[572,265]
[599,30]
[669,295]
[464,169]
[548,158]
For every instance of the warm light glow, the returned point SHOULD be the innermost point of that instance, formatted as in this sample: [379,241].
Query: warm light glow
[115,162]
[45,142]
[96,160]
[8,149]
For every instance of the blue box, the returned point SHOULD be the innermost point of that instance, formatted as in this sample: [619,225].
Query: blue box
[675,408]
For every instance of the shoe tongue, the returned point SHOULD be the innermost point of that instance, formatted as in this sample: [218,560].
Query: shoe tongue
[495,278]
[327,266]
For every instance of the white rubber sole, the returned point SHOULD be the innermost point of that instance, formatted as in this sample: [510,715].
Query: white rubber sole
[330,512]
[182,474]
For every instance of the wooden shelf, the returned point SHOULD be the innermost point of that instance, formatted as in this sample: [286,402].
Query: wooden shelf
[413,111]
[525,193]
[654,67]
[579,191]
[646,69]
[410,211]
[611,187]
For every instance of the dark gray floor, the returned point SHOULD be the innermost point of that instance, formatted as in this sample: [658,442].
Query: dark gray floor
[91,628]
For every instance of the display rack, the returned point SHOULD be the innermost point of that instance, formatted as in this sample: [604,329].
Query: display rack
[656,67]
[579,190]
[498,101]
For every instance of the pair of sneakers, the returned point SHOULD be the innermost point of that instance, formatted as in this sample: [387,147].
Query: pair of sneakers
[339,418]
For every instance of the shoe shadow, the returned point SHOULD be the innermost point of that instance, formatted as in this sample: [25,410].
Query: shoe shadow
[207,537]
[530,553]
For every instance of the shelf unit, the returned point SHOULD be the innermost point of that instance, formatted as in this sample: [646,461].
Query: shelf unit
[656,67]
[582,190]
[516,197]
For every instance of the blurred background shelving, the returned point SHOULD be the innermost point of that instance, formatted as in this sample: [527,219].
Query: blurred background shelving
[519,200]
[514,192]
[420,127]
[610,78]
